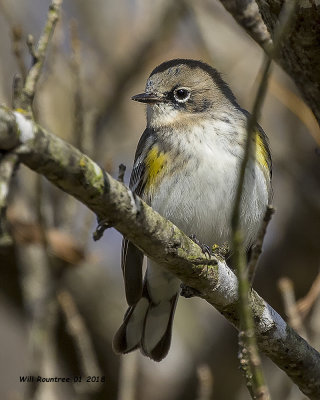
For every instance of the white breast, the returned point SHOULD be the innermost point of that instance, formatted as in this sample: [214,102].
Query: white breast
[199,197]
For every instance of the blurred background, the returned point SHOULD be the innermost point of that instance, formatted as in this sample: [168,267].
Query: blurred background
[61,293]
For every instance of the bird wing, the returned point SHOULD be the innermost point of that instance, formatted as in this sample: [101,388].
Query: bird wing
[132,257]
[263,157]
[263,154]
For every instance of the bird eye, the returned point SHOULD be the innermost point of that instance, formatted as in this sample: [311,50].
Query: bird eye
[181,95]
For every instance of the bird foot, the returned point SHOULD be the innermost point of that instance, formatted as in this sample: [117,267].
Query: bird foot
[221,251]
[204,248]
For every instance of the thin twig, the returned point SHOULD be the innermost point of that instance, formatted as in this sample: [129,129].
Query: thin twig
[39,208]
[314,324]
[296,105]
[17,87]
[16,38]
[205,382]
[17,34]
[38,281]
[245,365]
[305,304]
[41,308]
[247,337]
[257,247]
[32,78]
[83,136]
[32,49]
[75,324]
[294,318]
[8,164]
[70,210]
[128,377]
[45,320]
[78,121]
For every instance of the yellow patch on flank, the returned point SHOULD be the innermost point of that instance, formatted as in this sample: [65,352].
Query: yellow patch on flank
[21,111]
[261,152]
[82,162]
[155,162]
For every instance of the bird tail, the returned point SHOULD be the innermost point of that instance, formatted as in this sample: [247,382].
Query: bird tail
[148,324]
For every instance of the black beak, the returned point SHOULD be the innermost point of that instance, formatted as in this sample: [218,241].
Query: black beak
[147,98]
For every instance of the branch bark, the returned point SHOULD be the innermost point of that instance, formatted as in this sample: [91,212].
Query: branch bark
[246,13]
[299,54]
[76,174]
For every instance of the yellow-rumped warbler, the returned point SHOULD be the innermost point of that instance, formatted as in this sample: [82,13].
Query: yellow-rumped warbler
[186,168]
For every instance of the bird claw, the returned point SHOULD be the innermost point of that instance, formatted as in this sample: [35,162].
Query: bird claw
[221,251]
[204,248]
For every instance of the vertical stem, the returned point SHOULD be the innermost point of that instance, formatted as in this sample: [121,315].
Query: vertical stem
[247,339]
[249,355]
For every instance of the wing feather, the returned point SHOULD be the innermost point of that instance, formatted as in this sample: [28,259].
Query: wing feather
[132,257]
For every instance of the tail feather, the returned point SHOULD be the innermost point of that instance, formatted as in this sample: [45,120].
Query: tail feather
[156,343]
[148,324]
[128,336]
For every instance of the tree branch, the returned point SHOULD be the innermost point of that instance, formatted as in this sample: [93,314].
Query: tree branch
[78,175]
[8,166]
[246,13]
[299,54]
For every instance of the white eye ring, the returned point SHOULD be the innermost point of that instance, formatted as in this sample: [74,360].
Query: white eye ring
[182,94]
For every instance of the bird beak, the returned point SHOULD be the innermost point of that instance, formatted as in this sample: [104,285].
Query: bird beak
[147,98]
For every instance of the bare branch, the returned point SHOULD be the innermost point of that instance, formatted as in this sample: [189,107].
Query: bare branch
[205,379]
[79,332]
[247,14]
[16,38]
[8,164]
[290,305]
[296,105]
[305,304]
[299,56]
[128,377]
[39,55]
[17,35]
[78,121]
[78,175]
[32,49]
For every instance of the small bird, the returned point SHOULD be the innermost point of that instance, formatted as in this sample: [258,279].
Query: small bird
[186,167]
